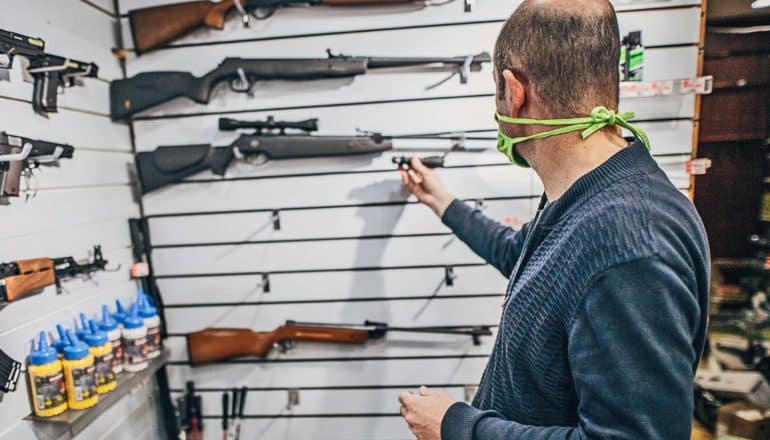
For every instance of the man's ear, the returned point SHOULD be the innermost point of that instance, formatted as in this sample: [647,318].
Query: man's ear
[515,94]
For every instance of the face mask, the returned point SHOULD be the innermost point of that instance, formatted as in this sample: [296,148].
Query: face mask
[600,118]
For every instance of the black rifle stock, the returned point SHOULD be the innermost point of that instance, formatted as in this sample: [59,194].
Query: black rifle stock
[167,165]
[170,164]
[146,90]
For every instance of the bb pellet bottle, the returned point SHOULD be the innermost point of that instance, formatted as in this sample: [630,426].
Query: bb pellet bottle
[134,341]
[101,349]
[79,374]
[46,380]
[110,326]
[152,322]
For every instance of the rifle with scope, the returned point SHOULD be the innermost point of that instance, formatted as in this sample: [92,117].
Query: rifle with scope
[269,141]
[149,89]
[219,344]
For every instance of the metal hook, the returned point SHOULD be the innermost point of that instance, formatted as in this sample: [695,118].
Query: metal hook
[18,156]
[51,158]
[245,17]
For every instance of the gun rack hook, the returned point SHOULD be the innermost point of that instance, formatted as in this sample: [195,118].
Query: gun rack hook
[18,156]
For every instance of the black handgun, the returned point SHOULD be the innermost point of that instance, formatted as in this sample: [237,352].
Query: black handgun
[48,72]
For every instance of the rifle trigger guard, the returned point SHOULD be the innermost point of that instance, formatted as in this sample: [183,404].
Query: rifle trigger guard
[241,84]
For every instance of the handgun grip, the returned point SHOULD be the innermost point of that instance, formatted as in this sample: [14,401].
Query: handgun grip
[45,94]
[18,286]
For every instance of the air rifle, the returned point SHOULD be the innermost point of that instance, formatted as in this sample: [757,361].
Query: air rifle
[156,26]
[170,164]
[24,277]
[218,344]
[48,72]
[146,90]
[19,156]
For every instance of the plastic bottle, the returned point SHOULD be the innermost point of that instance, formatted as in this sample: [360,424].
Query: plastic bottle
[46,380]
[134,341]
[101,349]
[151,321]
[79,374]
[110,326]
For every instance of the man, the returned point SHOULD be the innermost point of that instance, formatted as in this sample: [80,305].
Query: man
[606,308]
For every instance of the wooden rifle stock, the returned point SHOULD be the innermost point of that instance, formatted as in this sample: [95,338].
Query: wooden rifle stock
[33,275]
[157,25]
[217,344]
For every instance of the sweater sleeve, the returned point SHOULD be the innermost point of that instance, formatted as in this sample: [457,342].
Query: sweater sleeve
[498,245]
[632,358]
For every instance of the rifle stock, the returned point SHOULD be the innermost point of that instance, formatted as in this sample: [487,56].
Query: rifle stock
[155,26]
[166,165]
[218,344]
[146,90]
[34,275]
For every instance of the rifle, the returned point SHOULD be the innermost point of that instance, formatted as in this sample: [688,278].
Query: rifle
[48,72]
[218,344]
[19,156]
[149,89]
[156,26]
[170,164]
[24,277]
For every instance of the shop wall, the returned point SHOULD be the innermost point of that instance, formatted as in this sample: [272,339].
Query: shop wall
[353,245]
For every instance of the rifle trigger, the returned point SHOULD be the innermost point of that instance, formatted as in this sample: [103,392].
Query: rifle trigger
[245,17]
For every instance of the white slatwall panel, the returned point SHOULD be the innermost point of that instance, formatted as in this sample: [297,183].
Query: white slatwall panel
[395,295]
[86,201]
[300,20]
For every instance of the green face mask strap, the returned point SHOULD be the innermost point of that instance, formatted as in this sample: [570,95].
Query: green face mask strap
[600,117]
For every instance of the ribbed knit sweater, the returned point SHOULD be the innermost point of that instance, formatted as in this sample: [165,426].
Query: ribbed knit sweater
[606,319]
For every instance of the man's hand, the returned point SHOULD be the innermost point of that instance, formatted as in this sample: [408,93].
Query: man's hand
[424,412]
[425,184]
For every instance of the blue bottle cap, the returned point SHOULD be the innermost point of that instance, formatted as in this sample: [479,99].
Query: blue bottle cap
[108,323]
[44,354]
[62,341]
[82,329]
[95,337]
[132,319]
[145,309]
[120,311]
[75,349]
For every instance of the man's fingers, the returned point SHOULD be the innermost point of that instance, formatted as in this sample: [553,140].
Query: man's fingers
[402,411]
[404,177]
[415,175]
[424,391]
[417,164]
[405,397]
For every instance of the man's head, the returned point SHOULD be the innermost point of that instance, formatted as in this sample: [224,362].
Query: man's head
[557,59]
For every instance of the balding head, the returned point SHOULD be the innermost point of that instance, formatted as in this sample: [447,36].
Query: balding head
[567,51]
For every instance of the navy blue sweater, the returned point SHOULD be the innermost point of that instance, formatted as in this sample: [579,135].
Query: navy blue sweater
[606,320]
